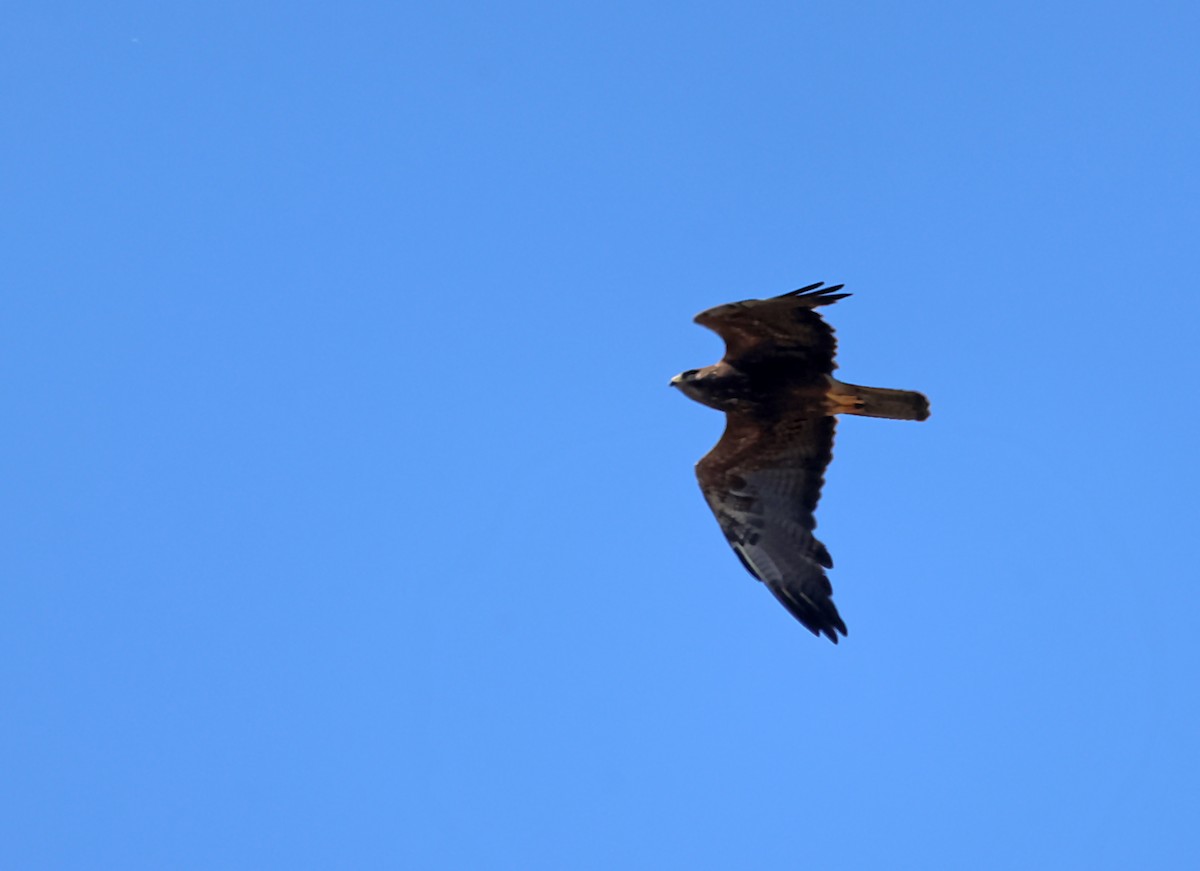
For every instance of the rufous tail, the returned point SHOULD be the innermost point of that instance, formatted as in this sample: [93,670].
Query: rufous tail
[879,402]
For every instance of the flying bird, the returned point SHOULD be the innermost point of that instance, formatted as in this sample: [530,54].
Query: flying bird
[763,478]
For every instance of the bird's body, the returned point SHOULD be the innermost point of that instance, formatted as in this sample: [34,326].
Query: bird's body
[763,478]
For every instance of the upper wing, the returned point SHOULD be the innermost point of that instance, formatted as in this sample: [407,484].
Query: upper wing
[784,326]
[763,482]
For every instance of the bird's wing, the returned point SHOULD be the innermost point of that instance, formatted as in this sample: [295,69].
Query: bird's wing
[762,483]
[782,328]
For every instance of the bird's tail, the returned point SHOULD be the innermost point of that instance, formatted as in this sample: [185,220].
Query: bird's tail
[878,402]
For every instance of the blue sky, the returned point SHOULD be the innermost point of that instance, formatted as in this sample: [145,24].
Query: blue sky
[350,521]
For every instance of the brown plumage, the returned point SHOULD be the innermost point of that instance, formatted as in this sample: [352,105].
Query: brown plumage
[763,478]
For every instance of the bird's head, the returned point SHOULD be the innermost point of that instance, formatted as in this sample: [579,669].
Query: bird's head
[683,378]
[714,386]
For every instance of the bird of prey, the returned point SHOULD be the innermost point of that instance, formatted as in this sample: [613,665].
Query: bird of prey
[763,478]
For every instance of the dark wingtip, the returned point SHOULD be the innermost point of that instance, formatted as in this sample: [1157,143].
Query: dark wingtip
[827,630]
[801,290]
[834,626]
[818,617]
[817,294]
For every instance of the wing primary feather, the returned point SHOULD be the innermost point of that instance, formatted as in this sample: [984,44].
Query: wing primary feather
[818,618]
[801,290]
[817,294]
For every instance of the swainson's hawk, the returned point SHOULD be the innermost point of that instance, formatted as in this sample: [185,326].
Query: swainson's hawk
[763,478]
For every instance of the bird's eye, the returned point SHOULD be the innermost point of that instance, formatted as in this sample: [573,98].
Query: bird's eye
[689,374]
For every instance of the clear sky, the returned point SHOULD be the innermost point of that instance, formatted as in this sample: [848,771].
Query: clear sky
[349,521]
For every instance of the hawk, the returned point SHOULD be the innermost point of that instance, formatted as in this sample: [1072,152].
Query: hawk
[763,478]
